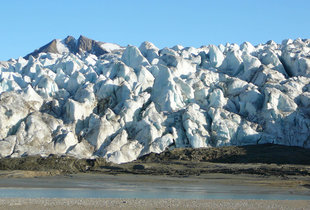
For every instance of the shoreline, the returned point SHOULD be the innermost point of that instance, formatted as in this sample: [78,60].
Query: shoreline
[258,170]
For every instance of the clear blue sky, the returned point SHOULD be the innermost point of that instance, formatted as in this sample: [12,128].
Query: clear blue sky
[27,25]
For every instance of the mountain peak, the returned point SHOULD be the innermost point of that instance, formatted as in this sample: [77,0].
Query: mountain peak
[70,44]
[50,47]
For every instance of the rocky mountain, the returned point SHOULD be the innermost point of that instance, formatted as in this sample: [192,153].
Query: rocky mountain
[79,46]
[86,98]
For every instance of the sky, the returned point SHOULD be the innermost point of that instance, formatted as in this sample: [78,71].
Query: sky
[30,24]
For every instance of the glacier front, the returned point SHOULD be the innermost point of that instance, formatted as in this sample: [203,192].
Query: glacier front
[87,98]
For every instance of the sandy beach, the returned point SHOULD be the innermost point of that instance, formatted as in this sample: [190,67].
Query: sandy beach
[63,204]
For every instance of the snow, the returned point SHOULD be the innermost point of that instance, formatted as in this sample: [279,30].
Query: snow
[110,46]
[61,47]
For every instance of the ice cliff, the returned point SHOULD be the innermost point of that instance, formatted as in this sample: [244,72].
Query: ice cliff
[87,98]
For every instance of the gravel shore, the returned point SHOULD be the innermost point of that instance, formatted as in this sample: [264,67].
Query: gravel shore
[33,204]
[249,170]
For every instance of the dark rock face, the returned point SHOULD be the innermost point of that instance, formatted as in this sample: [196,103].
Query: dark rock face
[48,48]
[97,50]
[70,41]
[83,44]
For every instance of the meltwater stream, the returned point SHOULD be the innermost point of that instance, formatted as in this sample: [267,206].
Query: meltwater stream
[132,187]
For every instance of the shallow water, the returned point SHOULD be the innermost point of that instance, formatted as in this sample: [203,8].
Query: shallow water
[142,187]
[140,193]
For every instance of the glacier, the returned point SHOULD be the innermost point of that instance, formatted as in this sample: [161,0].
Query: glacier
[89,99]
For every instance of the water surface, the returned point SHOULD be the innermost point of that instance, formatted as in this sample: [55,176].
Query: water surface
[131,186]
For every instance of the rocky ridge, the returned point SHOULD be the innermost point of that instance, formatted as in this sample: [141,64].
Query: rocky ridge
[88,99]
